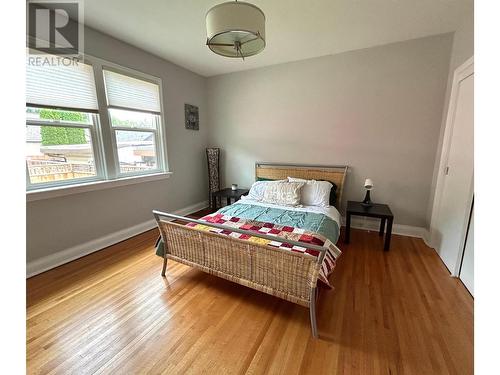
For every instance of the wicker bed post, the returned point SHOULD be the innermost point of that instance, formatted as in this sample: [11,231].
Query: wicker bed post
[165,255]
[164,262]
[312,313]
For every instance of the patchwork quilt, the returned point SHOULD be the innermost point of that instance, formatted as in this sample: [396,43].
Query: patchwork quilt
[297,234]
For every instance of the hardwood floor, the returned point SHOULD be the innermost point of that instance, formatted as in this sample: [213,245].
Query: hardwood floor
[396,312]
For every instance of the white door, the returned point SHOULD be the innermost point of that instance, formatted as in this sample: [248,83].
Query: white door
[467,268]
[456,198]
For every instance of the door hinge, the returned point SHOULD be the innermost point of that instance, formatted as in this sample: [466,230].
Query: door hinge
[446,170]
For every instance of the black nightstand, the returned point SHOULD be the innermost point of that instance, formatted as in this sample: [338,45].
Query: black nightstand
[381,211]
[229,194]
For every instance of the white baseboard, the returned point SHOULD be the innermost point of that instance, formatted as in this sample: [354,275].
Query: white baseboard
[191,209]
[427,239]
[64,256]
[404,230]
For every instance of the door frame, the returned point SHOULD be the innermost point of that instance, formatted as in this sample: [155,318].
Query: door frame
[462,72]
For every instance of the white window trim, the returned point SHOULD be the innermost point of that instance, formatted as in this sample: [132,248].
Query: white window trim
[96,153]
[60,191]
[160,140]
[110,176]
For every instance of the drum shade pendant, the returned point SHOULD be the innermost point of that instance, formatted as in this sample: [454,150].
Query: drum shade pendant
[236,29]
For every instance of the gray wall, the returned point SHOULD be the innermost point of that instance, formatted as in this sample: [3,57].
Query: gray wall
[463,49]
[377,110]
[59,223]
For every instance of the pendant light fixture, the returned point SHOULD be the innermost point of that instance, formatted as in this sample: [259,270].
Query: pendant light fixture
[236,29]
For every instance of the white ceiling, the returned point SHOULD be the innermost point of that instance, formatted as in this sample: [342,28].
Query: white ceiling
[295,29]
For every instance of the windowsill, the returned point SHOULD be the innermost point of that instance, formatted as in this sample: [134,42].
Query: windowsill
[92,186]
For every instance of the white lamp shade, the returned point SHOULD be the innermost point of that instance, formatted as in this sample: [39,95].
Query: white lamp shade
[236,24]
[368,184]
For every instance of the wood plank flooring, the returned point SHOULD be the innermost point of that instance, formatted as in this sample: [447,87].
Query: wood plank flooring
[396,312]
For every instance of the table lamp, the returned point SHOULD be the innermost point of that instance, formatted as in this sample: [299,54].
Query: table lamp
[368,186]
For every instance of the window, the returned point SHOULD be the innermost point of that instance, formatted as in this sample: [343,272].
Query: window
[135,135]
[134,112]
[59,147]
[61,125]
[72,111]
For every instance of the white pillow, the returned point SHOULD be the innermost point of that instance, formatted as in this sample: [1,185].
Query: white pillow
[283,193]
[257,190]
[314,193]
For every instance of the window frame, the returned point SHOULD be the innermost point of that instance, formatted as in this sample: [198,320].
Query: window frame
[157,131]
[160,141]
[96,151]
[102,133]
[159,165]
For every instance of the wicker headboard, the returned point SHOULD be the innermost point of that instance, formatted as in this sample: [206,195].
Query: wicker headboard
[279,171]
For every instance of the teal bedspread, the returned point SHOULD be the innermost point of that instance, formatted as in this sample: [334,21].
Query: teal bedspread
[311,221]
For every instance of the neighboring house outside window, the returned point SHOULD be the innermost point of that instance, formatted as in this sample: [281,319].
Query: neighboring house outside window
[59,150]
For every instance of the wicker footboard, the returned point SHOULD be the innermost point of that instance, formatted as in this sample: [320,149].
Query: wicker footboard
[289,275]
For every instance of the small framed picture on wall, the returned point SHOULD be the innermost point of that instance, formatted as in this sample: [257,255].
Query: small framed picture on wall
[192,117]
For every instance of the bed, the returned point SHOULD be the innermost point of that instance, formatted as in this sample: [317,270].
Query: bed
[282,251]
